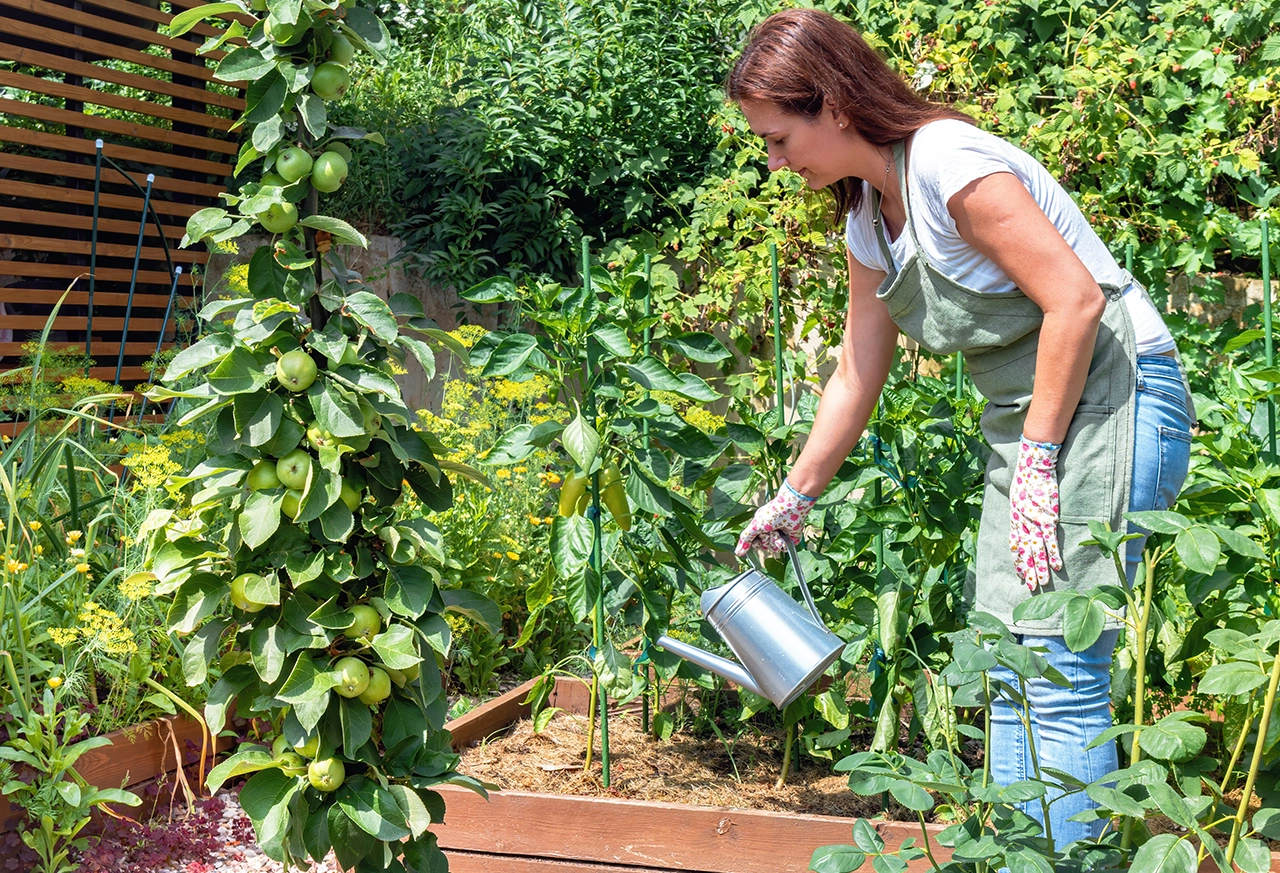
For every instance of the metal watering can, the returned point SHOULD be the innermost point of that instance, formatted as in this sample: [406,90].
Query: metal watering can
[783,649]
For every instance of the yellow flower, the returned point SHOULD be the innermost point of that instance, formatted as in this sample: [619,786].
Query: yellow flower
[38,549]
[63,636]
[548,520]
[503,474]
[15,566]
[553,478]
[73,537]
[136,586]
[55,682]
[535,520]
[35,525]
[513,556]
[82,568]
[520,470]
[498,555]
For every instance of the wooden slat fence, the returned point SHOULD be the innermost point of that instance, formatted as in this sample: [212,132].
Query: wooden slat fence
[73,72]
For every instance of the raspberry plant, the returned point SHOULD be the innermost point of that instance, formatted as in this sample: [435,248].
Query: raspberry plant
[335,618]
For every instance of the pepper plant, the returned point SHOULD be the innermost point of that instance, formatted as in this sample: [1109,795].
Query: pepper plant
[290,568]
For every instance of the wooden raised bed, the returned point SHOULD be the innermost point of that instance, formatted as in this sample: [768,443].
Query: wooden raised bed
[136,755]
[526,832]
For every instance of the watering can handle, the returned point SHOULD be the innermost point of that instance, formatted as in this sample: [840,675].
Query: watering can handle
[795,562]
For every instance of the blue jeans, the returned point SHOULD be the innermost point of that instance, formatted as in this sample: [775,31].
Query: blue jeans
[1065,720]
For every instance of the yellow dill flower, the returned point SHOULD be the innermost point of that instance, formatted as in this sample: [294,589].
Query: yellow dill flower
[468,334]
[521,392]
[136,586]
[63,636]
[73,537]
[151,465]
[84,386]
[703,420]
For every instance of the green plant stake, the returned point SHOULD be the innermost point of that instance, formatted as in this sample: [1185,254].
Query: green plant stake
[777,328]
[644,440]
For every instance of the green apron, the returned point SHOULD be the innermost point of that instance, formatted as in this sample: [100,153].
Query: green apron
[999,335]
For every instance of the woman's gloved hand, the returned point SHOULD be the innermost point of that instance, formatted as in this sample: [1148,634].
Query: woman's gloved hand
[785,513]
[1033,512]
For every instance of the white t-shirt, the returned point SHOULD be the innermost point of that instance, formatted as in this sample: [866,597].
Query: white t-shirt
[946,156]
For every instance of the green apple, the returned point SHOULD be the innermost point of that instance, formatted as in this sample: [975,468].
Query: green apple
[330,81]
[327,775]
[342,50]
[350,496]
[411,673]
[279,746]
[293,469]
[328,172]
[353,677]
[349,356]
[320,438]
[238,598]
[293,163]
[357,443]
[275,180]
[379,687]
[278,217]
[370,416]
[365,623]
[263,476]
[258,5]
[291,763]
[296,370]
[278,32]
[290,504]
[310,748]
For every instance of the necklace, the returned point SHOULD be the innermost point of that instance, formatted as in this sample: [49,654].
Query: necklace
[875,222]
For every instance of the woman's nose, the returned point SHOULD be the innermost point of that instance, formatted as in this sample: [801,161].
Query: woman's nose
[776,162]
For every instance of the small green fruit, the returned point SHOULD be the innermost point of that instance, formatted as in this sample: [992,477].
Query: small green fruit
[327,775]
[379,687]
[330,81]
[291,763]
[328,172]
[353,677]
[263,476]
[278,217]
[238,598]
[293,469]
[349,495]
[310,748]
[296,370]
[365,623]
[342,50]
[293,163]
[291,503]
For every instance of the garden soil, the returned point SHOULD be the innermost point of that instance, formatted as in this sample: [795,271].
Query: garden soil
[739,772]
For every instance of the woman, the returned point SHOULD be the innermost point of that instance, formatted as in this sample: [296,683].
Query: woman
[965,243]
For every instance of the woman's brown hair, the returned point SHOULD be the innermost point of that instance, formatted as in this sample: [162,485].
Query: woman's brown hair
[802,59]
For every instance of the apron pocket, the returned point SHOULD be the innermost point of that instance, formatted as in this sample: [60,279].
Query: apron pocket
[1086,465]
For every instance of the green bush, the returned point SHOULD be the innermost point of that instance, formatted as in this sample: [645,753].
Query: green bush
[569,120]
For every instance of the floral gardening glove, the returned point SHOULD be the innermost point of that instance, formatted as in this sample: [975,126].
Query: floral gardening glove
[1033,513]
[785,513]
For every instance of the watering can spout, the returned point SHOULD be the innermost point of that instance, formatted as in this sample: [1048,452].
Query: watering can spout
[722,666]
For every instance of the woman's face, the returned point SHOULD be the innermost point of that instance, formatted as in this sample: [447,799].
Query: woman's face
[811,147]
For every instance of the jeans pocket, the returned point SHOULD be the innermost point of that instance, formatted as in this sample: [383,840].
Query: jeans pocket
[1175,458]
[1086,465]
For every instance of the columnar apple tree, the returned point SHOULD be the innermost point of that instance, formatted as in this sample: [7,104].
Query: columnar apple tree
[331,639]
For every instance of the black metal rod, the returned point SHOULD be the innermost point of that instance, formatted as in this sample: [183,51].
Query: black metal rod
[133,283]
[93,253]
[164,326]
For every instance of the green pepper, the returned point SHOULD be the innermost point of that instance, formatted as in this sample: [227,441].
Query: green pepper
[614,494]
[572,491]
